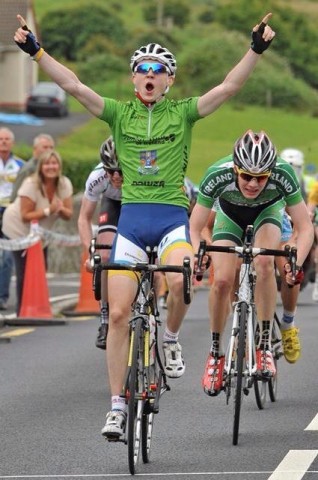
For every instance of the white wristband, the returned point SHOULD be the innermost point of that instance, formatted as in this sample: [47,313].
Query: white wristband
[46,211]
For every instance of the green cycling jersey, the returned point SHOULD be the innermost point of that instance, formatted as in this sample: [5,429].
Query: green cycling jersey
[219,182]
[153,147]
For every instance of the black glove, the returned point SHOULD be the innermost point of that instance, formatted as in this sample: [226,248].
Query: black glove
[258,45]
[31,46]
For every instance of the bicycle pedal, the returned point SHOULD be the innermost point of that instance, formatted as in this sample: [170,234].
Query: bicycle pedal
[115,438]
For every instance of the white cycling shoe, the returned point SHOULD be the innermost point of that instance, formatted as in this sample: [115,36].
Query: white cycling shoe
[115,424]
[174,366]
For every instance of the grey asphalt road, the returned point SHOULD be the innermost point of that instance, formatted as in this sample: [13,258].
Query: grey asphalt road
[53,126]
[53,399]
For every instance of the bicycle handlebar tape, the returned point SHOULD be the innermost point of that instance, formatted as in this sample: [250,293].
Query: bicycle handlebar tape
[31,46]
[187,281]
[258,44]
[201,253]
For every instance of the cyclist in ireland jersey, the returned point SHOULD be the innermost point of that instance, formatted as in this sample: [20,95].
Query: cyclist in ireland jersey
[103,184]
[152,135]
[253,186]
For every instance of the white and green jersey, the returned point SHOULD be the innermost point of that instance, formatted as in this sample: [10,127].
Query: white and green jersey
[153,147]
[219,183]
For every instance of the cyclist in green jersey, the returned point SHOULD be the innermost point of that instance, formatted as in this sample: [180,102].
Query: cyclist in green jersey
[152,135]
[252,186]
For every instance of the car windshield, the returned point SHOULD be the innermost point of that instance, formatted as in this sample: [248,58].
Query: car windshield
[45,89]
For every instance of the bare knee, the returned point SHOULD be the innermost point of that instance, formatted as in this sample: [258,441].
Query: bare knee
[176,286]
[118,317]
[264,267]
[222,286]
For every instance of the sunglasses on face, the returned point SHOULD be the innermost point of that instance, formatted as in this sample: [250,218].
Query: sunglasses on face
[247,177]
[155,67]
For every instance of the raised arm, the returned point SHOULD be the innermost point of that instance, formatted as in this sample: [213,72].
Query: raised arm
[262,36]
[60,74]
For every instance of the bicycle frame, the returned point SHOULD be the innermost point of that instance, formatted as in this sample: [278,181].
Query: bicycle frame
[245,294]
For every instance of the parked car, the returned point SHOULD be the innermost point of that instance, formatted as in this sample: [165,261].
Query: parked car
[47,99]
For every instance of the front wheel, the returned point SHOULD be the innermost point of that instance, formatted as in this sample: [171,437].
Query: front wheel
[239,368]
[135,396]
[150,407]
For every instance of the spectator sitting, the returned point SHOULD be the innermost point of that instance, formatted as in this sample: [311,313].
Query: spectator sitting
[41,143]
[43,197]
[9,168]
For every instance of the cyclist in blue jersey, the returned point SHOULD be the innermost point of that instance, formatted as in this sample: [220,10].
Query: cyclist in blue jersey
[252,186]
[152,135]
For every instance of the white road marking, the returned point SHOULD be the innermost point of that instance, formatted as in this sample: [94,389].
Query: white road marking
[66,296]
[313,424]
[251,475]
[295,465]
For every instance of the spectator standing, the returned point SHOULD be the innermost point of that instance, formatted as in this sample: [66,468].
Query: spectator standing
[43,197]
[9,168]
[41,143]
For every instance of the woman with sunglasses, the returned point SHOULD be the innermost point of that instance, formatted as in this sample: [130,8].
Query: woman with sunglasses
[103,184]
[251,186]
[153,139]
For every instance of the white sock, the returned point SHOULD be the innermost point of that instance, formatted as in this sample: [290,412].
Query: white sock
[119,403]
[170,336]
[287,321]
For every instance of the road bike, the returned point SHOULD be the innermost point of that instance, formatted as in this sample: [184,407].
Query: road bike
[145,381]
[240,370]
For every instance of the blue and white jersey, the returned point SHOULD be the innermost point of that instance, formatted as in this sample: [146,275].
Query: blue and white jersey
[8,173]
[98,185]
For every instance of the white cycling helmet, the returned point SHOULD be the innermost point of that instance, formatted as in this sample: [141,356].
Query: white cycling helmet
[294,157]
[254,153]
[154,51]
[108,154]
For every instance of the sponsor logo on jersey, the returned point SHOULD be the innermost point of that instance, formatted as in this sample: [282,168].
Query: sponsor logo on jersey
[148,160]
[148,183]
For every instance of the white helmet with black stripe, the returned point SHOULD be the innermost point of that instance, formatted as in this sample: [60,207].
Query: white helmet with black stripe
[154,51]
[255,153]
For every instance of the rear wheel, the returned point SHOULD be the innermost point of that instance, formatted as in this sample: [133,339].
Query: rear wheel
[272,385]
[277,353]
[135,397]
[260,387]
[240,363]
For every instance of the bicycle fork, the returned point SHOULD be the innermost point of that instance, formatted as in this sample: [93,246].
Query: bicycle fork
[250,350]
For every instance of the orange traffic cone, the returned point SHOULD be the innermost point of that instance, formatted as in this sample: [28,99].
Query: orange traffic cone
[35,306]
[87,305]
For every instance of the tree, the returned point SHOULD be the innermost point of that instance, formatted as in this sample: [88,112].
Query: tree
[66,32]
[177,11]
